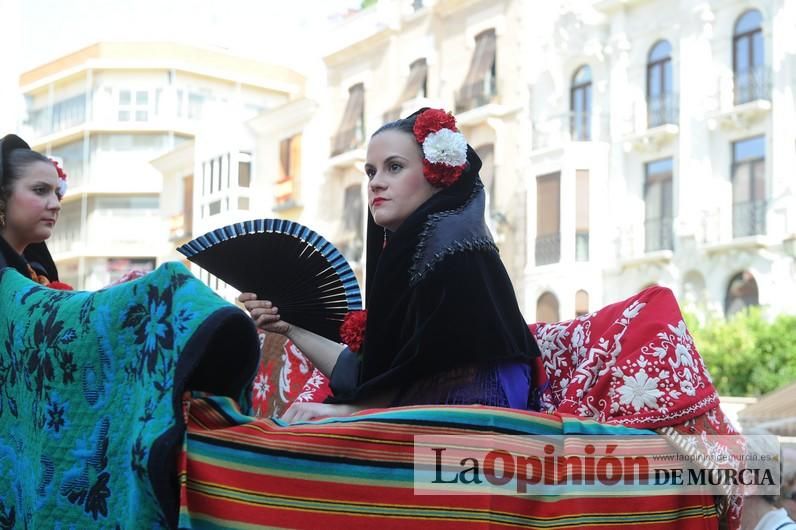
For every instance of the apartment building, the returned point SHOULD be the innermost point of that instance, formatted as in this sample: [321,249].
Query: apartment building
[387,61]
[109,109]
[662,152]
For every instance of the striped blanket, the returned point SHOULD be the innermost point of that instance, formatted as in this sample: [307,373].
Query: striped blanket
[238,471]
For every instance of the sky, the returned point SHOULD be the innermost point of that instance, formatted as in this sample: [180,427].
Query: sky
[34,32]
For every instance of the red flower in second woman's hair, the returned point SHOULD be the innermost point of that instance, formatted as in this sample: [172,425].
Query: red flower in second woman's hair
[61,286]
[352,330]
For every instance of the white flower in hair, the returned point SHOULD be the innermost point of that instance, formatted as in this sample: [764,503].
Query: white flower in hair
[62,187]
[445,147]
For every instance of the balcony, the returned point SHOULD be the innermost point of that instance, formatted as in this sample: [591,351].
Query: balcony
[348,140]
[749,218]
[658,234]
[476,95]
[653,124]
[742,99]
[663,110]
[752,85]
[740,225]
[556,131]
[548,249]
[637,245]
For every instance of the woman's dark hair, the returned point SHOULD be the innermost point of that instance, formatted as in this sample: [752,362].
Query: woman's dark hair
[405,125]
[18,160]
[402,124]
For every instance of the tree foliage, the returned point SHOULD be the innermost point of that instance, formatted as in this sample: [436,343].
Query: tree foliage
[747,355]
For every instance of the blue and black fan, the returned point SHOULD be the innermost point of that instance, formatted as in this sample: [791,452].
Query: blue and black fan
[303,274]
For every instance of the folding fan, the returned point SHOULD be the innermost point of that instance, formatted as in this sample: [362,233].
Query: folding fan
[303,274]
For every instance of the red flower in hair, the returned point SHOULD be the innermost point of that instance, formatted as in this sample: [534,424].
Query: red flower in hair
[352,330]
[62,176]
[444,147]
[441,175]
[432,120]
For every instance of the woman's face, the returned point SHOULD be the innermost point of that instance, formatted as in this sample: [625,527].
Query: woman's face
[33,206]
[396,184]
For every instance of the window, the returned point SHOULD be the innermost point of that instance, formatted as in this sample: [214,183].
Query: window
[187,204]
[580,104]
[751,77]
[286,186]
[415,87]
[243,203]
[658,205]
[68,113]
[214,208]
[351,132]
[220,175]
[195,105]
[547,308]
[71,158]
[661,107]
[741,293]
[353,212]
[582,215]
[749,187]
[487,173]
[133,105]
[244,170]
[480,83]
[548,219]
[223,163]
[581,303]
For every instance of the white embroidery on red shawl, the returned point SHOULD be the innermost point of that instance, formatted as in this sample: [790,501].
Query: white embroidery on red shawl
[316,381]
[595,373]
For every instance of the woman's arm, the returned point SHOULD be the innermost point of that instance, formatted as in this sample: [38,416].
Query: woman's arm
[314,411]
[322,352]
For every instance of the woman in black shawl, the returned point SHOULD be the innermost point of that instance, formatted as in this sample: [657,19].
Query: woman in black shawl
[442,325]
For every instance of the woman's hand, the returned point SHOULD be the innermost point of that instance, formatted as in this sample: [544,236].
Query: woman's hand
[315,411]
[264,313]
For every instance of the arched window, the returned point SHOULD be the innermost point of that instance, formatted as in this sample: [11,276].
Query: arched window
[580,104]
[751,79]
[547,308]
[741,293]
[581,303]
[661,107]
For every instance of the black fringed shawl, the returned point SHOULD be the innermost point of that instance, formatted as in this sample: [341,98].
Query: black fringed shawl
[438,297]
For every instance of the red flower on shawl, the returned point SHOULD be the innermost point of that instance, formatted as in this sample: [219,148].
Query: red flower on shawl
[352,330]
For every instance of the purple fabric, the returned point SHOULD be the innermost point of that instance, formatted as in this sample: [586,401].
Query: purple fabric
[515,378]
[503,384]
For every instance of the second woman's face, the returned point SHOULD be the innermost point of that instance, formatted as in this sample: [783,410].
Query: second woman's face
[33,207]
[396,184]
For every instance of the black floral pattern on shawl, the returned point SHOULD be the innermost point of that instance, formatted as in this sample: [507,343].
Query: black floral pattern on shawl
[151,323]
